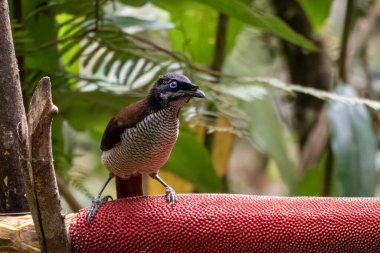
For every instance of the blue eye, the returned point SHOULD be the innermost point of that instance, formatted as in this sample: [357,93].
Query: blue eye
[173,85]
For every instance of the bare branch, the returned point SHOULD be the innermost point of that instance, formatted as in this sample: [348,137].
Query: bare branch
[66,194]
[47,211]
[361,32]
[220,43]
[344,42]
[316,141]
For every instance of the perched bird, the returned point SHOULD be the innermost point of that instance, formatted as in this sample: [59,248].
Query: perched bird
[139,139]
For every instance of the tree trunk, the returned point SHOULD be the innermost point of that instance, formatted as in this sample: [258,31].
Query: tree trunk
[310,69]
[12,120]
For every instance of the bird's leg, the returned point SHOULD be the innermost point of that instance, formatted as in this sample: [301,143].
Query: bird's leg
[170,193]
[97,202]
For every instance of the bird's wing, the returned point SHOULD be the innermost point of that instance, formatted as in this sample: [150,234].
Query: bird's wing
[128,117]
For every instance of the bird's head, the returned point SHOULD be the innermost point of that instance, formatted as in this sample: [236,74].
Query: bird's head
[174,89]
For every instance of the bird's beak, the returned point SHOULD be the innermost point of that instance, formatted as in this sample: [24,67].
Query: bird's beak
[198,93]
[194,91]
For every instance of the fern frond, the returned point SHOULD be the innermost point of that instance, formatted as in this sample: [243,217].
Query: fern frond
[324,95]
[107,48]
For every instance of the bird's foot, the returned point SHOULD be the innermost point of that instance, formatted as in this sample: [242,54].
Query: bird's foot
[96,204]
[171,196]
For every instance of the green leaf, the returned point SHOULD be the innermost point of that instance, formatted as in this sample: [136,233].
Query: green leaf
[122,63]
[89,111]
[140,24]
[266,22]
[42,30]
[129,71]
[191,161]
[99,60]
[76,52]
[312,181]
[109,64]
[136,3]
[354,146]
[316,11]
[265,127]
[196,29]
[90,55]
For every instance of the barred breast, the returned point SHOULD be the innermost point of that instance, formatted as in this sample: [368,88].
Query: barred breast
[146,147]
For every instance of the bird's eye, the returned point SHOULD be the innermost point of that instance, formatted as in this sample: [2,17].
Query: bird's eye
[173,85]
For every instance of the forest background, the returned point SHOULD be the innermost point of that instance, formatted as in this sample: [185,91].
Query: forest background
[285,82]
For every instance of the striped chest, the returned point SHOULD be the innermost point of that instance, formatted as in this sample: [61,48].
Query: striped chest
[146,147]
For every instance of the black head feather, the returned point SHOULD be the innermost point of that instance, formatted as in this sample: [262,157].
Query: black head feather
[173,88]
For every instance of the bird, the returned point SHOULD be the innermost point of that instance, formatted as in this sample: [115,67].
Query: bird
[139,139]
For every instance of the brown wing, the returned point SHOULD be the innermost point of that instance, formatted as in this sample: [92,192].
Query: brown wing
[128,117]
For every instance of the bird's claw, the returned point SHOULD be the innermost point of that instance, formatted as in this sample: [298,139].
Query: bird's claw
[96,204]
[171,196]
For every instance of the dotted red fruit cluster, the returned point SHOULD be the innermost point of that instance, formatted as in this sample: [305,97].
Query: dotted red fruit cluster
[231,223]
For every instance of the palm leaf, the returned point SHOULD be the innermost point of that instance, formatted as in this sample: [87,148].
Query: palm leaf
[114,50]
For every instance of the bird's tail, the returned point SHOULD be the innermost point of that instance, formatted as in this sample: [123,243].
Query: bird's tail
[130,187]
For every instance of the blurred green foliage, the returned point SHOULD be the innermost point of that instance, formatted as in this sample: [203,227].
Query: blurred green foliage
[316,11]
[353,142]
[102,55]
[266,129]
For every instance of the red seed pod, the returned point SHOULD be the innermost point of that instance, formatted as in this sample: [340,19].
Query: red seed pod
[231,223]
